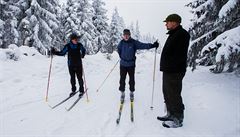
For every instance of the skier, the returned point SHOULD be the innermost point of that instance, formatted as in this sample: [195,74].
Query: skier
[76,52]
[126,50]
[173,65]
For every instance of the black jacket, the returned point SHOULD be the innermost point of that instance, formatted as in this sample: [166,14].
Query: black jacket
[174,53]
[75,53]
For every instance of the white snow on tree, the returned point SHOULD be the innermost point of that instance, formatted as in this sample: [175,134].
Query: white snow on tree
[42,22]
[116,28]
[100,22]
[86,29]
[135,31]
[69,19]
[9,21]
[227,49]
[212,19]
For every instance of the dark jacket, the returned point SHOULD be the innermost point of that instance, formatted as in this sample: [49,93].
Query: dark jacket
[127,51]
[75,53]
[174,53]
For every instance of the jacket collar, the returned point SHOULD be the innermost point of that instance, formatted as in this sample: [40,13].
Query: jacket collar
[174,30]
[129,40]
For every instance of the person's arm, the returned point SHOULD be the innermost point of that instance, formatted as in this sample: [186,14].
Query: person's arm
[140,45]
[119,49]
[62,52]
[83,51]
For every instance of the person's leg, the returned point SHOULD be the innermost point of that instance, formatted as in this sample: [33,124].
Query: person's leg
[165,88]
[123,73]
[177,106]
[79,77]
[131,73]
[72,78]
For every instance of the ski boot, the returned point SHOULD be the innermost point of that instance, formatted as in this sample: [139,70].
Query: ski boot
[167,117]
[72,93]
[122,97]
[81,93]
[131,96]
[174,123]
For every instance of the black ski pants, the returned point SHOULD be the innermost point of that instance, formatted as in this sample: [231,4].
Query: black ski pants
[172,88]
[76,71]
[123,73]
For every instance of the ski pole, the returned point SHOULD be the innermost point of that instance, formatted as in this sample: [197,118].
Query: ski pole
[49,76]
[85,84]
[153,78]
[107,76]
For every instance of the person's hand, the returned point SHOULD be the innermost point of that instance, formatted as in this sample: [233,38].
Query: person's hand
[156,44]
[52,51]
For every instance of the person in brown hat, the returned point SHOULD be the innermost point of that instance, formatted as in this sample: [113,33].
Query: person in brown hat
[173,64]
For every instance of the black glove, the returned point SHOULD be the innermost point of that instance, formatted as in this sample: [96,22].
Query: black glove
[52,51]
[155,44]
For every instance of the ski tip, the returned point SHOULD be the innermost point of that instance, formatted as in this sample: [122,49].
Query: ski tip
[67,109]
[117,121]
[50,106]
[88,101]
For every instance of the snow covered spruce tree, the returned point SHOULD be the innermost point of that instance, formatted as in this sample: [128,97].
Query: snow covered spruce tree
[9,18]
[2,11]
[135,31]
[116,28]
[69,19]
[86,28]
[214,33]
[101,25]
[40,24]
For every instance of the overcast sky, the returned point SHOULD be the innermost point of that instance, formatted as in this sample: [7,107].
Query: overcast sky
[149,13]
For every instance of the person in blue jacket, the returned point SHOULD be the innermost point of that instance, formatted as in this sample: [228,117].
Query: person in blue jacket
[127,49]
[76,52]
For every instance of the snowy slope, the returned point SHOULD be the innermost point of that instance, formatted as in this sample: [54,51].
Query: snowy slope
[212,101]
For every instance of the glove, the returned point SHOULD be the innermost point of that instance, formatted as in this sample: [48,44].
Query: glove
[52,51]
[155,44]
[83,55]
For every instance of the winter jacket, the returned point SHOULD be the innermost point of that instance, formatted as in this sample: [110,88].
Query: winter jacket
[174,53]
[75,53]
[127,50]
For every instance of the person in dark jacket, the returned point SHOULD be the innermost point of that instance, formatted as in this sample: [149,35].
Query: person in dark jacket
[127,49]
[76,52]
[173,65]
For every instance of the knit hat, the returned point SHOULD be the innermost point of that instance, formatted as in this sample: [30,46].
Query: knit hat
[126,32]
[74,36]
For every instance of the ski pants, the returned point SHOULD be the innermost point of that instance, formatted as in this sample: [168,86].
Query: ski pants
[76,71]
[123,73]
[172,88]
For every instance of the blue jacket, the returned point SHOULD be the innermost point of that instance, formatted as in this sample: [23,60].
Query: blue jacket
[127,51]
[75,53]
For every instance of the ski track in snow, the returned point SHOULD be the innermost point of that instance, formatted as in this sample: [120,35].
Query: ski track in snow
[208,99]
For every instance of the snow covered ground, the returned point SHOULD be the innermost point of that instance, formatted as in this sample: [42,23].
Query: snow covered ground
[212,101]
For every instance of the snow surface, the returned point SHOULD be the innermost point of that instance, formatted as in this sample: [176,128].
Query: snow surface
[211,101]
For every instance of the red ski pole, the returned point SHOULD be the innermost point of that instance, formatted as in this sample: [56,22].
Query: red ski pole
[85,84]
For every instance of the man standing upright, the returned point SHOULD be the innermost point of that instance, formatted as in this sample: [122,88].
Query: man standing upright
[76,52]
[173,65]
[127,49]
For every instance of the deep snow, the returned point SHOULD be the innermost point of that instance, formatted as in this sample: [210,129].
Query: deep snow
[212,101]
